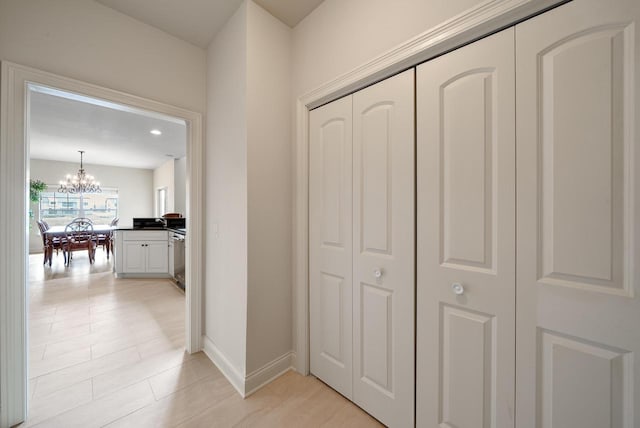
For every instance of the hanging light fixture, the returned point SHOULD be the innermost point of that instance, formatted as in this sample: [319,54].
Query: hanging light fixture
[80,183]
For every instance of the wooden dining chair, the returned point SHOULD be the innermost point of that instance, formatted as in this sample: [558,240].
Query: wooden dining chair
[79,237]
[113,224]
[49,244]
[84,219]
[106,239]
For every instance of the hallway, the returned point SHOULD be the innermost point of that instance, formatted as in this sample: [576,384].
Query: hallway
[106,351]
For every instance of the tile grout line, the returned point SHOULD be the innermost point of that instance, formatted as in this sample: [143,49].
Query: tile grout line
[83,379]
[145,378]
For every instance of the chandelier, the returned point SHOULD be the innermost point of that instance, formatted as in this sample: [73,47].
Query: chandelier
[79,183]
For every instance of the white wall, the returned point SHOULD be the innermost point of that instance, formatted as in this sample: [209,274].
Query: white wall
[340,35]
[135,187]
[85,40]
[249,191]
[226,192]
[180,185]
[269,187]
[163,176]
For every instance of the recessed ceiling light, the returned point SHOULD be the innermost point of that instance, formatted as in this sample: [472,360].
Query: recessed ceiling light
[156,132]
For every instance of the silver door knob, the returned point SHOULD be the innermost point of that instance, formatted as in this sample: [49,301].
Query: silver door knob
[457,288]
[377,273]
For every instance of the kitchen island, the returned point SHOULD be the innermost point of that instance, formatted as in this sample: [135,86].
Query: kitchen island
[141,253]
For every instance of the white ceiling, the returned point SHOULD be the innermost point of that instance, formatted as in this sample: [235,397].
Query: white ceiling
[197,21]
[61,123]
[291,12]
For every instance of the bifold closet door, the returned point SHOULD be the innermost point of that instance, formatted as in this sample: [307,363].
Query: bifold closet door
[466,237]
[384,242]
[330,249]
[579,216]
[361,262]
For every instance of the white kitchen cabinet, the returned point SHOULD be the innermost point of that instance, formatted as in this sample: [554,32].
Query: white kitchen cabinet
[142,253]
[134,257]
[157,257]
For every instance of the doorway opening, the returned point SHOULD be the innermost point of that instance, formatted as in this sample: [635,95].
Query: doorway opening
[17,83]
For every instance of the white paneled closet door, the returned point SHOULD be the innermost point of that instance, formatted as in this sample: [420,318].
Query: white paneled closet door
[466,237]
[579,216]
[362,240]
[330,248]
[384,242]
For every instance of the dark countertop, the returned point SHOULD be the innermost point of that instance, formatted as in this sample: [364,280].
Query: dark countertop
[141,230]
[168,229]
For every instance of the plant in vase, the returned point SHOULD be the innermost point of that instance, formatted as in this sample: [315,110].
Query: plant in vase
[36,187]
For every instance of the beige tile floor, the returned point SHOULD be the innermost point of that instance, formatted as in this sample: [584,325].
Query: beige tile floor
[110,352]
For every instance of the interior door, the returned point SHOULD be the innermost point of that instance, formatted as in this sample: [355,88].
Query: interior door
[578,216]
[466,236]
[330,249]
[384,255]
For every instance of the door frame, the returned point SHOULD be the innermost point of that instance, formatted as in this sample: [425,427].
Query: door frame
[479,21]
[14,171]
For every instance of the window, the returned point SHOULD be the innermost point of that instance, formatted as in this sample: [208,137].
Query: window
[59,209]
[161,201]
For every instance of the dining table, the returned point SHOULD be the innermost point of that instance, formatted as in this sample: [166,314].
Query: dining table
[61,233]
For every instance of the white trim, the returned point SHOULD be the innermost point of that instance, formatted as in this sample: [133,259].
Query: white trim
[13,228]
[13,245]
[479,21]
[235,378]
[264,375]
[247,385]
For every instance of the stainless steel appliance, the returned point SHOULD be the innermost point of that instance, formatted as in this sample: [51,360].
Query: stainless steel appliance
[178,258]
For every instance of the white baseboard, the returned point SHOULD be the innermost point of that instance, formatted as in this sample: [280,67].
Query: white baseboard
[254,380]
[276,368]
[228,370]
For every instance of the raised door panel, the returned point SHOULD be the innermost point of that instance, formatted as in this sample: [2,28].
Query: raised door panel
[578,195]
[466,169]
[466,368]
[157,257]
[134,257]
[377,334]
[376,229]
[330,248]
[584,208]
[383,261]
[574,373]
[466,237]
